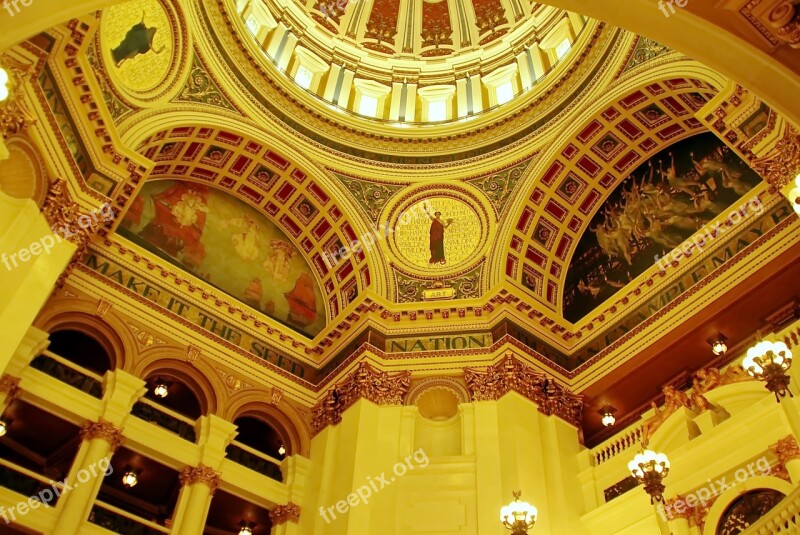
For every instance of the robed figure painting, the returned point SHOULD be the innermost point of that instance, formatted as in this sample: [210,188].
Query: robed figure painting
[437,237]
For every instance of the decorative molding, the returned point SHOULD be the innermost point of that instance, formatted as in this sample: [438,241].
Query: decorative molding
[781,165]
[103,430]
[284,513]
[201,88]
[144,338]
[786,449]
[14,115]
[232,382]
[510,374]
[192,354]
[365,382]
[192,475]
[103,307]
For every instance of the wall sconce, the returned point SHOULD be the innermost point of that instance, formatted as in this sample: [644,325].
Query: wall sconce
[161,388]
[607,413]
[649,469]
[768,362]
[130,477]
[718,345]
[518,516]
[246,527]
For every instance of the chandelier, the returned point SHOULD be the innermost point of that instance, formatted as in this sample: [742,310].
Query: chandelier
[768,362]
[518,516]
[649,469]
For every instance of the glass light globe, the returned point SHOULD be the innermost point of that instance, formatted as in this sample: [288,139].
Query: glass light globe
[518,511]
[3,84]
[608,419]
[161,390]
[130,479]
[281,451]
[3,428]
[719,347]
[797,180]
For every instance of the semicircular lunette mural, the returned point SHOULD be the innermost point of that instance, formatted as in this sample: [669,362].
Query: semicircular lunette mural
[653,211]
[229,244]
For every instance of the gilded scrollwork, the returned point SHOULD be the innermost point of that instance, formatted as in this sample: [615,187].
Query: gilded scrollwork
[365,382]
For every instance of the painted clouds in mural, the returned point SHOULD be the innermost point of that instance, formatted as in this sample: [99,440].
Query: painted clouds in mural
[654,210]
[229,244]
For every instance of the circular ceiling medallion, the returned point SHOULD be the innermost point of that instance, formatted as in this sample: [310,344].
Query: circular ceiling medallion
[438,231]
[143,48]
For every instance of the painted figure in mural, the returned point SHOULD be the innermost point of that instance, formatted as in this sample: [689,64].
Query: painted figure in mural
[178,222]
[437,237]
[245,242]
[302,304]
[277,262]
[138,40]
[254,293]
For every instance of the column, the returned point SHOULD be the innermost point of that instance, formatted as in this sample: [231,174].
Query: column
[198,486]
[100,440]
[200,482]
[33,343]
[31,261]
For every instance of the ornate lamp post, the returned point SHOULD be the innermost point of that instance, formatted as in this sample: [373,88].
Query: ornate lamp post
[650,468]
[769,362]
[518,516]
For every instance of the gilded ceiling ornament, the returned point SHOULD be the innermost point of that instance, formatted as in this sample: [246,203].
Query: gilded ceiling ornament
[102,430]
[201,88]
[786,449]
[192,354]
[365,382]
[646,49]
[14,115]
[371,196]
[202,474]
[282,514]
[103,307]
[492,383]
[782,164]
[499,186]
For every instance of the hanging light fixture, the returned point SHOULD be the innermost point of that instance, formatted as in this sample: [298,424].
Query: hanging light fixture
[607,413]
[718,345]
[282,451]
[246,527]
[649,469]
[130,477]
[3,427]
[768,362]
[161,389]
[4,83]
[518,516]
[794,195]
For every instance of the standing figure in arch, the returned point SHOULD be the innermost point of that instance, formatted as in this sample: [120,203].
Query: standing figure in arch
[138,40]
[437,237]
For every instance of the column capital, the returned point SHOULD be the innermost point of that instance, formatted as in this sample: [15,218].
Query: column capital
[282,514]
[786,449]
[103,430]
[192,475]
[9,385]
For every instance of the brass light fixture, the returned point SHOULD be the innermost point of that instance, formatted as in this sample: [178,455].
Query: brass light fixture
[4,85]
[246,527]
[130,477]
[161,388]
[649,469]
[718,345]
[282,451]
[608,417]
[518,516]
[768,362]
[4,427]
[794,195]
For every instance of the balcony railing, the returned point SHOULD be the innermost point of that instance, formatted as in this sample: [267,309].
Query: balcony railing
[783,518]
[622,441]
[69,373]
[152,412]
[120,521]
[255,460]
[26,482]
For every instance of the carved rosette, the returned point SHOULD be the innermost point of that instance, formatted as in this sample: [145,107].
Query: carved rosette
[786,449]
[782,164]
[192,475]
[365,382]
[9,385]
[510,374]
[102,430]
[284,513]
[785,19]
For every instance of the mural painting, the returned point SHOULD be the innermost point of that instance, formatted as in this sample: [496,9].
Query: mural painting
[652,212]
[229,244]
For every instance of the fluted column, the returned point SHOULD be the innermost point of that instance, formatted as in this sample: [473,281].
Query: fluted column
[200,482]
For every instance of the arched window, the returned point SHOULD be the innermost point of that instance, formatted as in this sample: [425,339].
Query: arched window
[747,509]
[82,349]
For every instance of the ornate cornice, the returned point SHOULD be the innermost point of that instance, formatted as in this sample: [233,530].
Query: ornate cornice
[782,164]
[284,513]
[103,430]
[786,449]
[365,382]
[510,374]
[192,475]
